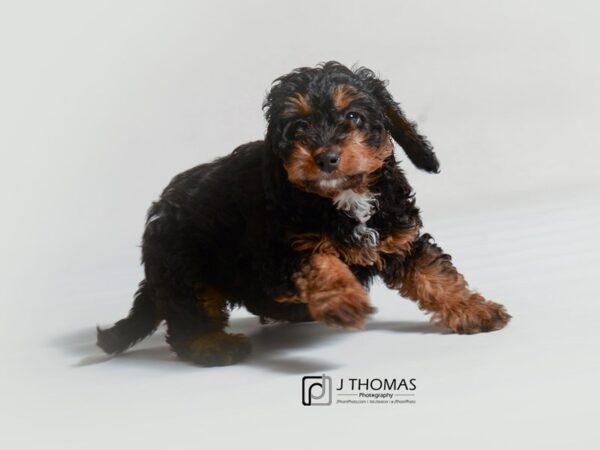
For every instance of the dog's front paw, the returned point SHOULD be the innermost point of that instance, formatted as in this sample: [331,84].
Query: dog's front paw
[475,317]
[217,349]
[346,308]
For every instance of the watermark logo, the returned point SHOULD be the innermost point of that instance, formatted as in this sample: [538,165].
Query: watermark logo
[316,390]
[320,390]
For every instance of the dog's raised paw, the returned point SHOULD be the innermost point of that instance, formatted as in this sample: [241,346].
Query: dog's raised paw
[217,349]
[345,308]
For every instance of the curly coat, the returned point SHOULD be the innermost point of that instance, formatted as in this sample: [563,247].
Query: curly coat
[296,226]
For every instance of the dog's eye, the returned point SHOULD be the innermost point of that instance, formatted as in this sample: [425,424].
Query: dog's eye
[355,118]
[298,127]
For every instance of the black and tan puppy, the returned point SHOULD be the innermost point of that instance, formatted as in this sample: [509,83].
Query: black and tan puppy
[295,227]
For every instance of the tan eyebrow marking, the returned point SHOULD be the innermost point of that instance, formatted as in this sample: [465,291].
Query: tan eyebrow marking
[343,95]
[297,103]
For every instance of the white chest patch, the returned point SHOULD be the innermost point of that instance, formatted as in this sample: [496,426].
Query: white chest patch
[361,207]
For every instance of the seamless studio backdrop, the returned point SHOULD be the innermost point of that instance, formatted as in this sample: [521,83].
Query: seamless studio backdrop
[103,102]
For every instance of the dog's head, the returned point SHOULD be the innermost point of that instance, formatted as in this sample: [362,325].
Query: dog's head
[331,127]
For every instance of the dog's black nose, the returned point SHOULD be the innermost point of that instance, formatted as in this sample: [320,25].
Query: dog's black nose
[328,161]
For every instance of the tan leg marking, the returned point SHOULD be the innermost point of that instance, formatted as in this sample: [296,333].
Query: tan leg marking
[433,281]
[332,293]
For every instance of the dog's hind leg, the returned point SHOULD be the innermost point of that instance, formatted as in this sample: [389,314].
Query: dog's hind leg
[195,329]
[429,277]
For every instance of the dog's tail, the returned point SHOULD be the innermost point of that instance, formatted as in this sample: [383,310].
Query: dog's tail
[143,319]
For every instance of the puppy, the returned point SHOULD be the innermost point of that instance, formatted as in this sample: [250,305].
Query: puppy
[296,226]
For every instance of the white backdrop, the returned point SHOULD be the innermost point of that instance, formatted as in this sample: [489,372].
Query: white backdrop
[101,103]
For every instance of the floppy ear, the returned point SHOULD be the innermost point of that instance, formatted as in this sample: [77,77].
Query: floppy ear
[416,146]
